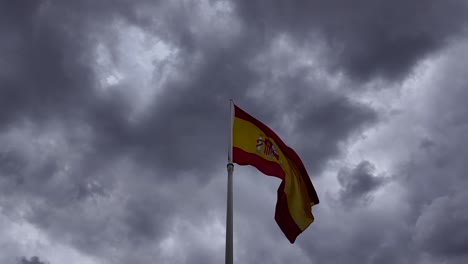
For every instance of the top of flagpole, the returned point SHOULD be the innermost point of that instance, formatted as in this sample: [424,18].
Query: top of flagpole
[231,123]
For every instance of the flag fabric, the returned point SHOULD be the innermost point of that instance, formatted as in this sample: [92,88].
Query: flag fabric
[253,143]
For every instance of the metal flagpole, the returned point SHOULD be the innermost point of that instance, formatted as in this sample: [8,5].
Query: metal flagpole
[230,170]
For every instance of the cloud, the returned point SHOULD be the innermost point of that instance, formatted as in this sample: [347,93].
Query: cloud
[114,127]
[438,228]
[367,39]
[358,184]
[326,125]
[434,175]
[32,260]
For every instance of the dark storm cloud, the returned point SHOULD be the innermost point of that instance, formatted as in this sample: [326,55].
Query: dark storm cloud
[436,176]
[188,118]
[425,223]
[108,181]
[327,122]
[358,183]
[32,260]
[441,228]
[48,54]
[366,39]
[48,47]
[54,81]
[354,238]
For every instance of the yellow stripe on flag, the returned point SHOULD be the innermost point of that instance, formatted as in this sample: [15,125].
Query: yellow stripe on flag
[298,200]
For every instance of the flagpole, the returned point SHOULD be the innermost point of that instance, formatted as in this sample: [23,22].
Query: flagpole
[229,207]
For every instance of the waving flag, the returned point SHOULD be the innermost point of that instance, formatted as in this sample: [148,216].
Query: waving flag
[257,145]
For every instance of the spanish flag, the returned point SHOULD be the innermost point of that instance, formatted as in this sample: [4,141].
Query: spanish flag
[253,143]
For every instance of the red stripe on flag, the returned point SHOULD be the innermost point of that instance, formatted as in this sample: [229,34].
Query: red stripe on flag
[283,217]
[267,167]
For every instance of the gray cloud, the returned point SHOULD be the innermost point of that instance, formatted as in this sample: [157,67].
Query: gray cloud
[435,175]
[81,167]
[329,123]
[32,260]
[438,228]
[419,217]
[358,184]
[58,65]
[366,39]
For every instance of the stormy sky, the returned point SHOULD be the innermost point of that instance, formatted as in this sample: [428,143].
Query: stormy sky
[114,129]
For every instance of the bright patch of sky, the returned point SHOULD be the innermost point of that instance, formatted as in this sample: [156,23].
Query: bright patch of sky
[31,241]
[137,67]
